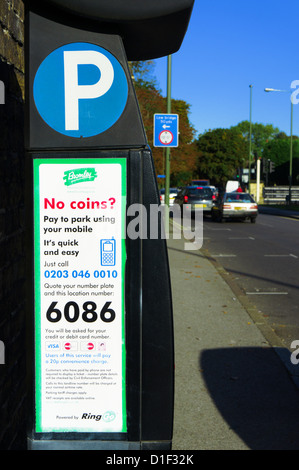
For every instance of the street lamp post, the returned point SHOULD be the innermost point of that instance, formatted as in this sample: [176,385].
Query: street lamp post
[291,155]
[250,132]
[291,142]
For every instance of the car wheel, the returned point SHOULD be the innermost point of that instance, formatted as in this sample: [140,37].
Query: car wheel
[253,220]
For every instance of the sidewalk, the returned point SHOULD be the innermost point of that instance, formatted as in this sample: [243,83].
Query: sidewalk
[233,390]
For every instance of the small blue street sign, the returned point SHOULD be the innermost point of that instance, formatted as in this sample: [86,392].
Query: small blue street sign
[166,130]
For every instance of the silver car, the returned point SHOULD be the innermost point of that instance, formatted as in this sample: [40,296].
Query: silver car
[235,205]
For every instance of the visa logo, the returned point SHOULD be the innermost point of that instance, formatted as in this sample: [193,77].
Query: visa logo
[52,345]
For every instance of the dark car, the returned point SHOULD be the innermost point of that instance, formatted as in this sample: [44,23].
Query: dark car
[235,205]
[195,198]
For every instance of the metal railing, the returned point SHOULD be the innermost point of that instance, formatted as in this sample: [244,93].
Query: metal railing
[280,194]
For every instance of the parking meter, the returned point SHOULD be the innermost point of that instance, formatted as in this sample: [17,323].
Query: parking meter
[100,311]
[149,29]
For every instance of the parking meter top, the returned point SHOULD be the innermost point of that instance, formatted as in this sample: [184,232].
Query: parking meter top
[141,25]
[119,10]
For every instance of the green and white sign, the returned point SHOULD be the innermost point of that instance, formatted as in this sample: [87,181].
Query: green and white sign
[79,267]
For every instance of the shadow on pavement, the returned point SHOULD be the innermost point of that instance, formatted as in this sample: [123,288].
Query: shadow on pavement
[256,397]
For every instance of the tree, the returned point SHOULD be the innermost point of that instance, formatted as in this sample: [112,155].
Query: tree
[278,151]
[221,153]
[142,73]
[183,157]
[260,135]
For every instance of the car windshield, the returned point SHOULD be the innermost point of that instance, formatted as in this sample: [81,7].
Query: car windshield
[203,192]
[238,197]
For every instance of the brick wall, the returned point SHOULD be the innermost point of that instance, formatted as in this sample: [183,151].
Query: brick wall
[13,409]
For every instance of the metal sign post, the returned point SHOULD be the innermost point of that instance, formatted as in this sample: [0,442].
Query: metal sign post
[99,322]
[166,134]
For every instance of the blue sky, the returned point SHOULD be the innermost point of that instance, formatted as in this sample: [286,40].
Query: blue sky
[228,46]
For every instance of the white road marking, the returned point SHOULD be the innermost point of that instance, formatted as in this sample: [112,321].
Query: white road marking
[267,293]
[218,229]
[241,238]
[221,255]
[266,225]
[281,256]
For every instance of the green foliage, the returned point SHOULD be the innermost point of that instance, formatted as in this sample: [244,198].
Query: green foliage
[142,73]
[181,178]
[278,151]
[220,153]
[260,135]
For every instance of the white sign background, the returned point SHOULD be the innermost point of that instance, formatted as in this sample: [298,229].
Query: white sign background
[79,251]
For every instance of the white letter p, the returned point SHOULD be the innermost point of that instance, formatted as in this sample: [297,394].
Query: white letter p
[74,91]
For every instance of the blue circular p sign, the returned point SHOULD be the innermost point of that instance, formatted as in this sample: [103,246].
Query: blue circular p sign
[80,90]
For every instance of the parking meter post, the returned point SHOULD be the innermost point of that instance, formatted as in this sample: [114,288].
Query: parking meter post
[100,339]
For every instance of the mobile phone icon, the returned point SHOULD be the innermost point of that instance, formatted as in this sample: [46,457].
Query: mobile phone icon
[108,252]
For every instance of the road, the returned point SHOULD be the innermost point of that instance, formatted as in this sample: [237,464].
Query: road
[263,259]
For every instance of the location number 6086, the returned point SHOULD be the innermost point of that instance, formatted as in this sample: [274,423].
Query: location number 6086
[71,312]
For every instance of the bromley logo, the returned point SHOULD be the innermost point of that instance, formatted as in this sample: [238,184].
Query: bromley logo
[79,175]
